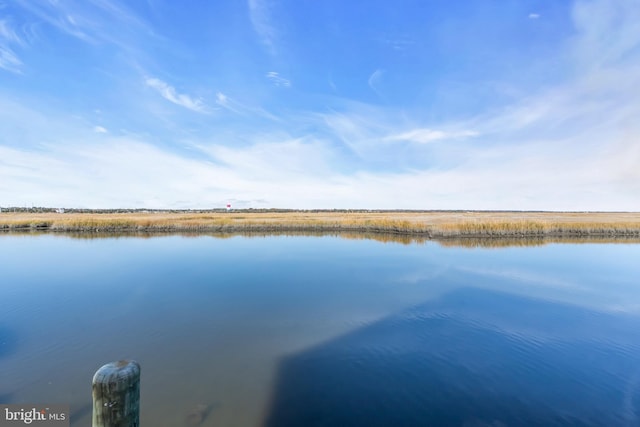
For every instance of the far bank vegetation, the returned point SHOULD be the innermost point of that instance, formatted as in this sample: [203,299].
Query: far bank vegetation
[430,224]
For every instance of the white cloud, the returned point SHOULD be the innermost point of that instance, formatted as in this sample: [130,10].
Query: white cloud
[301,173]
[100,129]
[93,175]
[277,156]
[234,106]
[332,84]
[277,79]
[93,22]
[227,103]
[8,33]
[361,131]
[9,61]
[170,94]
[534,15]
[222,99]
[398,42]
[260,15]
[425,136]
[608,32]
[59,16]
[375,79]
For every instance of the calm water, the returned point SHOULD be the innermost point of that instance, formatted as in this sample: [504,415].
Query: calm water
[325,331]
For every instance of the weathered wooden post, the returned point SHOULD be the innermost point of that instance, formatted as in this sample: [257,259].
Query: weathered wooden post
[116,395]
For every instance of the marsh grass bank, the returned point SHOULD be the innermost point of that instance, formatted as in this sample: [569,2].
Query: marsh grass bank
[418,224]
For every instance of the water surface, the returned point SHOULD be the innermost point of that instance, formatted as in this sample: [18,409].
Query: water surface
[326,331]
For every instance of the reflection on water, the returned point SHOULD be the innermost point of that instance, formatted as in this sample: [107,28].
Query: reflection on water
[469,358]
[504,242]
[405,239]
[320,330]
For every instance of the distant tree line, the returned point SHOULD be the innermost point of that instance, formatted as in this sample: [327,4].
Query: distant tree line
[220,210]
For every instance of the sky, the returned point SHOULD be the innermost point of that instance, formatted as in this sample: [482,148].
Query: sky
[332,104]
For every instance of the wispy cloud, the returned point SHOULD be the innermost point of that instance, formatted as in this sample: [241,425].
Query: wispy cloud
[608,32]
[100,129]
[534,15]
[277,79]
[375,79]
[303,171]
[170,94]
[260,12]
[8,33]
[360,130]
[61,16]
[242,109]
[94,22]
[227,103]
[96,171]
[9,60]
[398,43]
[277,157]
[425,136]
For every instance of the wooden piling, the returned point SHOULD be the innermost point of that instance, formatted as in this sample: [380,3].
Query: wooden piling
[116,395]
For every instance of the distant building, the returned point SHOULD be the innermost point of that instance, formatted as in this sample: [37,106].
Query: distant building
[228,206]
[60,210]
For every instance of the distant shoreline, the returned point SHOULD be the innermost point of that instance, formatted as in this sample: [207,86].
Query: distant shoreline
[427,224]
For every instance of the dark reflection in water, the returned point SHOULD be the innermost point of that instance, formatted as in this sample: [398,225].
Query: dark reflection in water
[470,358]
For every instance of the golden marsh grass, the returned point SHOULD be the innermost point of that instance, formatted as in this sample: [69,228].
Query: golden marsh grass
[430,224]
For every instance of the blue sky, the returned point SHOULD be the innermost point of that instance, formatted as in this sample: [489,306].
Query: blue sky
[473,104]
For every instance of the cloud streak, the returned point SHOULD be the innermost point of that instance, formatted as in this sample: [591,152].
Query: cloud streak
[87,168]
[280,174]
[608,32]
[9,60]
[229,104]
[8,33]
[260,12]
[169,93]
[425,136]
[95,23]
[275,78]
[374,81]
